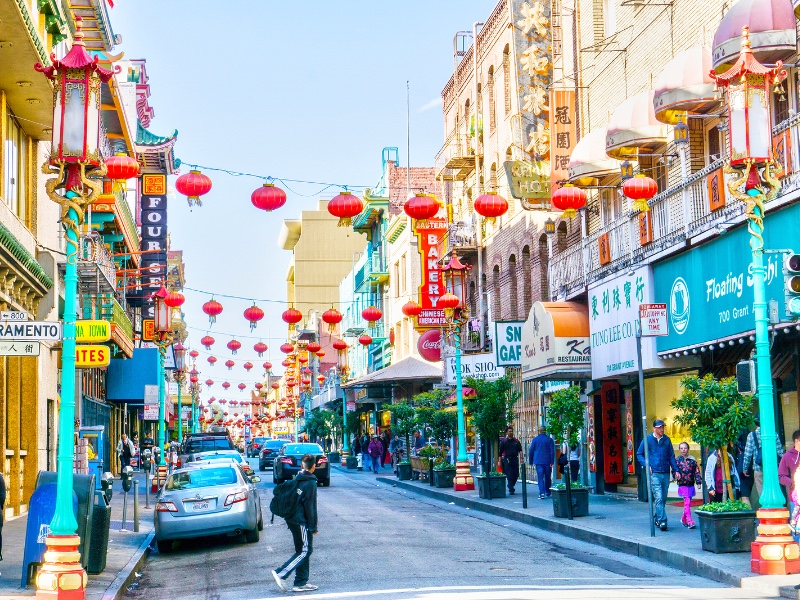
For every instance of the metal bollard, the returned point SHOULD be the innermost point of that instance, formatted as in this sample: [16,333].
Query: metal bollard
[524,474]
[124,510]
[136,507]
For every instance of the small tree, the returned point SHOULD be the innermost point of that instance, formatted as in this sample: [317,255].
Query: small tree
[492,409]
[405,421]
[565,415]
[319,424]
[444,424]
[352,424]
[715,413]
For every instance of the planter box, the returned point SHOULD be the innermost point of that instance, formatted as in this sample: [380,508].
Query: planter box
[443,478]
[728,531]
[334,457]
[352,462]
[404,471]
[580,502]
[420,466]
[491,487]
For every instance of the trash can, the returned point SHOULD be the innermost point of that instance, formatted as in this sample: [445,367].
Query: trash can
[101,523]
[84,488]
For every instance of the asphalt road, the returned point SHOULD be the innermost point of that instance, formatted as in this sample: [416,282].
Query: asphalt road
[376,541]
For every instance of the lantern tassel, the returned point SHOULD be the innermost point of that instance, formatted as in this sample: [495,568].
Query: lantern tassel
[345,222]
[640,205]
[212,319]
[569,213]
[370,324]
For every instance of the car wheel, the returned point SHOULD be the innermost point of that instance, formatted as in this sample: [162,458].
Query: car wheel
[260,521]
[251,536]
[326,482]
[164,546]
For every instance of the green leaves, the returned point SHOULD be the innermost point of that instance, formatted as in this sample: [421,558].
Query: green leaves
[319,424]
[492,408]
[727,506]
[565,415]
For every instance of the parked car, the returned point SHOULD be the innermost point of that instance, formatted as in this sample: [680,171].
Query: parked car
[207,442]
[255,445]
[205,456]
[287,463]
[209,499]
[268,451]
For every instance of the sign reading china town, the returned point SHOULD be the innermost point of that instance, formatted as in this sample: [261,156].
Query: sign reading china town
[479,366]
[429,345]
[555,342]
[430,242]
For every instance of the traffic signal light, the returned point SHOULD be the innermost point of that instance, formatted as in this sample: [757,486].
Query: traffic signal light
[791,285]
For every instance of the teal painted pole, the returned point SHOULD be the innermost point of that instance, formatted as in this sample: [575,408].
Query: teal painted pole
[161,409]
[180,411]
[194,410]
[462,426]
[64,522]
[345,434]
[771,496]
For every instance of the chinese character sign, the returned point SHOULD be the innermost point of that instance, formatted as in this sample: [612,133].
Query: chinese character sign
[430,242]
[562,135]
[590,433]
[628,394]
[612,436]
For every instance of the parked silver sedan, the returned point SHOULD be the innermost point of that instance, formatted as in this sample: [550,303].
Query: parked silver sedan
[212,499]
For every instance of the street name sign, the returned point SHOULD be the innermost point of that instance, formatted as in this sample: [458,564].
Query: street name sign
[14,315]
[90,357]
[42,331]
[89,332]
[653,319]
[20,348]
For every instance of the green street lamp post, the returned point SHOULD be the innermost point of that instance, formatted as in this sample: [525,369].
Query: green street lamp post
[180,375]
[163,333]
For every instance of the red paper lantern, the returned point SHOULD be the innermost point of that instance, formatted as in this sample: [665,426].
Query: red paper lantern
[254,315]
[391,336]
[207,341]
[209,382]
[211,360]
[194,379]
[292,316]
[121,167]
[448,301]
[212,308]
[225,386]
[569,199]
[229,363]
[332,317]
[411,309]
[258,386]
[320,353]
[194,354]
[247,366]
[365,339]
[241,386]
[340,345]
[313,347]
[371,314]
[490,205]
[193,185]
[275,386]
[286,363]
[640,189]
[421,207]
[260,348]
[306,382]
[174,299]
[267,366]
[268,197]
[321,378]
[234,345]
[345,206]
[287,348]
[302,359]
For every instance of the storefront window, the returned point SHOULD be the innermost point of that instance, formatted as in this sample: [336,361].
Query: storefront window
[15,168]
[659,393]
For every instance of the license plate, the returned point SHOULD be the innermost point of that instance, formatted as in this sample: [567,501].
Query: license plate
[203,505]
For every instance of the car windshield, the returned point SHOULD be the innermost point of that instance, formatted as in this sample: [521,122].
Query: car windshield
[208,444]
[202,478]
[275,444]
[259,440]
[302,449]
[219,455]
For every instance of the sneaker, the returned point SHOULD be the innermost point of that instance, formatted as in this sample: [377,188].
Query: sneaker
[280,582]
[691,525]
[541,496]
[663,525]
[304,588]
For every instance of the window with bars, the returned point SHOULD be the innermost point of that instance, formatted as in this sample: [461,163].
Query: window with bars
[507,80]
[490,85]
[527,290]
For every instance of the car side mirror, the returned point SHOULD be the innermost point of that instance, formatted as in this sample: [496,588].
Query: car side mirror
[255,479]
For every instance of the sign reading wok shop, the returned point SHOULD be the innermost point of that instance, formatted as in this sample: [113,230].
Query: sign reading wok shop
[709,289]
[479,366]
[49,331]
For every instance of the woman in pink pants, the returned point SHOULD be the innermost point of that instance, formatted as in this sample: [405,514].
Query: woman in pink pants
[687,476]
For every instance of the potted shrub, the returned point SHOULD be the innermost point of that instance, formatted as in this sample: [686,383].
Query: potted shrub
[405,423]
[492,409]
[565,419]
[715,413]
[444,474]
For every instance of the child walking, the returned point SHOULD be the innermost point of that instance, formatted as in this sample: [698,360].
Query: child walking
[687,476]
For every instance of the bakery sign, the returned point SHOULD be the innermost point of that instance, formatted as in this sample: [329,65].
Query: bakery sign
[555,342]
[430,242]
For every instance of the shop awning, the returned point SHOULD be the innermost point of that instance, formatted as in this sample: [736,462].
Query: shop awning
[127,377]
[589,161]
[408,369]
[555,342]
[466,392]
[772,31]
[685,86]
[633,128]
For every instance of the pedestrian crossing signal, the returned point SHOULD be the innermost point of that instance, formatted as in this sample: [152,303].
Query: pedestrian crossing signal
[791,278]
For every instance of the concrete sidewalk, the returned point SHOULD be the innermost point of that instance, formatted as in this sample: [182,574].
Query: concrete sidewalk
[126,551]
[613,522]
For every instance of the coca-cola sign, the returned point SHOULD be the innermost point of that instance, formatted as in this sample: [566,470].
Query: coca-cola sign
[430,345]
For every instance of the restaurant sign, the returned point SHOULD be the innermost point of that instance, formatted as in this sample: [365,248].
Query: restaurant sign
[479,366]
[555,341]
[529,181]
[430,242]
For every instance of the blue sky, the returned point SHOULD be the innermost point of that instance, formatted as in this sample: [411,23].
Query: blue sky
[300,90]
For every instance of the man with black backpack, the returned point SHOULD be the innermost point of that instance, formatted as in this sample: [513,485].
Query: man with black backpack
[751,464]
[296,502]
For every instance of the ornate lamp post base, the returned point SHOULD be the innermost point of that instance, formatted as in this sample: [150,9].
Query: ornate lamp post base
[774,552]
[61,576]
[464,481]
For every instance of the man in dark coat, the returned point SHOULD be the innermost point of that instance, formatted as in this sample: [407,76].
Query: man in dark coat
[542,454]
[510,451]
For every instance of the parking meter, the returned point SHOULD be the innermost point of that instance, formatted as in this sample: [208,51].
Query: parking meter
[127,478]
[156,455]
[106,482]
[146,462]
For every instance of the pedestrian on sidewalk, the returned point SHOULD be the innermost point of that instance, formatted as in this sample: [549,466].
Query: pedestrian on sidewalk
[385,443]
[662,460]
[417,444]
[303,527]
[746,482]
[125,451]
[375,451]
[789,466]
[542,454]
[366,460]
[687,474]
[573,454]
[510,452]
[751,464]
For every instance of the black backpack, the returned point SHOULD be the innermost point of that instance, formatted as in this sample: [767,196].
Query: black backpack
[285,500]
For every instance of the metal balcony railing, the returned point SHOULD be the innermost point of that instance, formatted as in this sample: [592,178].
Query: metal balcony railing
[97,272]
[456,158]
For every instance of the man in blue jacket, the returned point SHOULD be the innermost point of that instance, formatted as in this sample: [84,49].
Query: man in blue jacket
[542,455]
[662,460]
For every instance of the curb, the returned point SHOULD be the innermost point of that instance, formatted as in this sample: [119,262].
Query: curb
[123,579]
[679,561]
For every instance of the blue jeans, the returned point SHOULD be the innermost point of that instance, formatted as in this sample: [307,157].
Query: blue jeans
[544,476]
[366,461]
[376,463]
[660,484]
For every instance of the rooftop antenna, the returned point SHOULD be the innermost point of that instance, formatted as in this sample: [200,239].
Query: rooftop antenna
[408,142]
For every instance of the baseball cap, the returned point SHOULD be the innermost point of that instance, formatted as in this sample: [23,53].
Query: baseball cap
[658,423]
